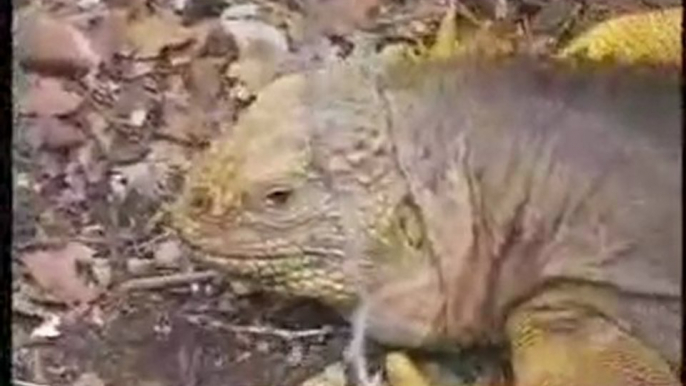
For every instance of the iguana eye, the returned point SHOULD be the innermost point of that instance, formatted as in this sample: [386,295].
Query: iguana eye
[279,197]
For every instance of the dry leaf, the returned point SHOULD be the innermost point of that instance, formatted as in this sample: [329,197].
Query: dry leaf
[148,36]
[48,97]
[55,271]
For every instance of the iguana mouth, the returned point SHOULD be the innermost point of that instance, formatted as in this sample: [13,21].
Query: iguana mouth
[246,255]
[247,264]
[301,274]
[247,261]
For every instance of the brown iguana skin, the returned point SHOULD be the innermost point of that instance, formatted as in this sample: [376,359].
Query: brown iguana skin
[510,202]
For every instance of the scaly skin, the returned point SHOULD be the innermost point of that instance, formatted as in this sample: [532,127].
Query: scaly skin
[505,202]
[494,203]
[651,38]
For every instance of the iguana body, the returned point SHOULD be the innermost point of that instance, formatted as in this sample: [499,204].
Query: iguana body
[471,203]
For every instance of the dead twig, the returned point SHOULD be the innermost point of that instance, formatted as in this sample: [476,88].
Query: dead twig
[17,382]
[156,282]
[55,242]
[261,330]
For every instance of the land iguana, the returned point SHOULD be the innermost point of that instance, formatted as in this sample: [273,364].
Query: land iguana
[515,202]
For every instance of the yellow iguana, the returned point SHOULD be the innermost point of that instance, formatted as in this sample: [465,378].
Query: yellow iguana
[464,202]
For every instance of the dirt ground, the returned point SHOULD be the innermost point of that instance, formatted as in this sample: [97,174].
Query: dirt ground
[112,100]
[181,339]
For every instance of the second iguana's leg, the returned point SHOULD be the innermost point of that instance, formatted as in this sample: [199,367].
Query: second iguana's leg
[568,345]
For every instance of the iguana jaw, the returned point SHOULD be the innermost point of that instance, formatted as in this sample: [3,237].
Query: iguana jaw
[301,274]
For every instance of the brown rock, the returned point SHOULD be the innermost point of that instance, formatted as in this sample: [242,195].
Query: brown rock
[47,97]
[219,43]
[54,47]
[108,34]
[55,271]
[52,133]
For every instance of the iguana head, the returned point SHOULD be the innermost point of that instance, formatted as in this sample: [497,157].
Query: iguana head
[292,194]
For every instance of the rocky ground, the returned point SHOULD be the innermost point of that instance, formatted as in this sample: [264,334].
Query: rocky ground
[112,100]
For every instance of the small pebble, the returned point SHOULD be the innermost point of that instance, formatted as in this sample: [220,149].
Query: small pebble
[102,271]
[168,254]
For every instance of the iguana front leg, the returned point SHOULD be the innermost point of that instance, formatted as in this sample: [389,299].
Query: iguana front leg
[567,345]
[563,346]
